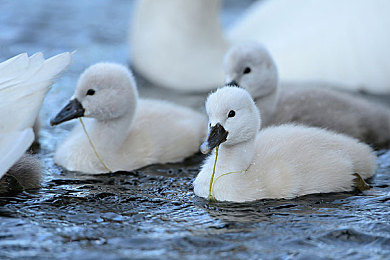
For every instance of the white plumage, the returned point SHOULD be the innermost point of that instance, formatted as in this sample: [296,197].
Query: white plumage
[342,42]
[128,132]
[278,162]
[24,82]
[333,41]
[178,44]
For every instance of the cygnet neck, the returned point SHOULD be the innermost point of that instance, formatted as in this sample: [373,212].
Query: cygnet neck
[110,134]
[267,104]
[236,157]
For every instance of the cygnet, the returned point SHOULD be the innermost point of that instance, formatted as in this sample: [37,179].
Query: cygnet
[25,174]
[278,162]
[127,132]
[250,66]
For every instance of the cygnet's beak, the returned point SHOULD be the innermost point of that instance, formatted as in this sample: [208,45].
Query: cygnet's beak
[73,109]
[217,135]
[233,83]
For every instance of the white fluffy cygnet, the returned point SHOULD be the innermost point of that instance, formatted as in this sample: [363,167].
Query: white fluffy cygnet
[250,66]
[278,162]
[127,132]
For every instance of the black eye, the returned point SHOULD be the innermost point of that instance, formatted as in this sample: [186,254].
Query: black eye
[90,92]
[247,70]
[231,113]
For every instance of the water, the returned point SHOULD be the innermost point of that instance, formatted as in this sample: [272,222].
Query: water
[152,212]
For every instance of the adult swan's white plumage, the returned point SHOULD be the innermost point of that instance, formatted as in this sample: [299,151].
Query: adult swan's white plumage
[128,133]
[337,41]
[178,44]
[278,162]
[24,82]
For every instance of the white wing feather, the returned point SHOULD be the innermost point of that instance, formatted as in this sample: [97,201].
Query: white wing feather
[24,82]
[21,95]
[13,67]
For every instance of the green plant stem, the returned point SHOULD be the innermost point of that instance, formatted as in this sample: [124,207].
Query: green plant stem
[93,147]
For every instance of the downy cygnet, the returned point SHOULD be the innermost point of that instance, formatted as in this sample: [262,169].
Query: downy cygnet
[127,132]
[250,66]
[277,162]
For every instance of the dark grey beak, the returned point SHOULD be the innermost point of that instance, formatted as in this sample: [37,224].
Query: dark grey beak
[217,135]
[73,109]
[233,83]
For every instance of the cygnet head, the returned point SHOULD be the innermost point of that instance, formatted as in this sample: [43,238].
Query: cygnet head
[249,65]
[233,118]
[105,91]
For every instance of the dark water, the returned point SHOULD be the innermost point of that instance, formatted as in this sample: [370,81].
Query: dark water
[152,212]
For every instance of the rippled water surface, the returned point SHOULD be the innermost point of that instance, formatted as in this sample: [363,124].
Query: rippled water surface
[152,212]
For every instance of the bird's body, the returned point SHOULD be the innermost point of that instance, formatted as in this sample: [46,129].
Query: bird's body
[127,132]
[156,136]
[25,174]
[341,112]
[188,40]
[278,162]
[288,161]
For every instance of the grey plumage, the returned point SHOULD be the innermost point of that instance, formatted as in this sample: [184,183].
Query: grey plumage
[25,174]
[334,110]
[312,104]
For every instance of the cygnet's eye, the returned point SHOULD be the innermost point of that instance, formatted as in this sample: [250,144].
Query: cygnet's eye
[247,70]
[231,113]
[90,92]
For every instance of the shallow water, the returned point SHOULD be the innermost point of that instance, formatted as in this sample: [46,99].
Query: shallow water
[152,212]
